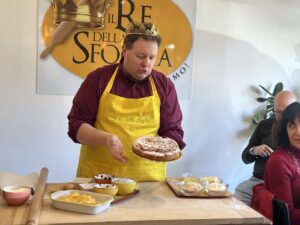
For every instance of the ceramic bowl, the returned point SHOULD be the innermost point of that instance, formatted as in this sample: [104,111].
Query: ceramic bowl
[16,195]
[126,185]
[216,189]
[103,178]
[110,189]
[87,186]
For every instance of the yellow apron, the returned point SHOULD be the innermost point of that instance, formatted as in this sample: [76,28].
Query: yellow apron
[129,119]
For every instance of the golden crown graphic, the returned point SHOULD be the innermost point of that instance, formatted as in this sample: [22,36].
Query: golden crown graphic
[86,13]
[142,29]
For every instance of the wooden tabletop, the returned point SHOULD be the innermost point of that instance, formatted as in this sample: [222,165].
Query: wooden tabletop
[154,204]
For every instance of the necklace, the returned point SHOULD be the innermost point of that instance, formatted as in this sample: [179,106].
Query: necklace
[295,160]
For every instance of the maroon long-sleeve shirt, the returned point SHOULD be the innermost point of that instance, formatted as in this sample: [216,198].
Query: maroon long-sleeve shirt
[86,101]
[282,178]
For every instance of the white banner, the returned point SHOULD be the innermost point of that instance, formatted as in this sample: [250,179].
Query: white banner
[61,72]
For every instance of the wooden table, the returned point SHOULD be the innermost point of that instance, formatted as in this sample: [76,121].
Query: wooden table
[155,204]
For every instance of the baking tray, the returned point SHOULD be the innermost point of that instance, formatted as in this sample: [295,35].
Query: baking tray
[81,207]
[173,185]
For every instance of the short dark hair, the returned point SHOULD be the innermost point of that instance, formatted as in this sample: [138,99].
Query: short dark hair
[288,116]
[130,39]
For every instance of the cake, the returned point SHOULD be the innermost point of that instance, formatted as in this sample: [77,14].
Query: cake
[156,148]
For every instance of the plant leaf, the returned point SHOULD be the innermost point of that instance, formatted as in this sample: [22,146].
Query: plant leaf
[258,117]
[266,90]
[270,99]
[255,121]
[278,87]
[261,99]
[268,102]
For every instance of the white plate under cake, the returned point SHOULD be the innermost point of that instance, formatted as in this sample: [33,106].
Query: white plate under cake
[156,148]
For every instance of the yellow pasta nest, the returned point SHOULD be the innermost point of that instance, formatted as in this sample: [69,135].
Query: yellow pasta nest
[76,197]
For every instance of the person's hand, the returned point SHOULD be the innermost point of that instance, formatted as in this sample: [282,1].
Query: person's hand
[262,150]
[115,147]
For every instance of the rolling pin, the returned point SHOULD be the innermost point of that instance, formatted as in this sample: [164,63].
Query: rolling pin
[36,205]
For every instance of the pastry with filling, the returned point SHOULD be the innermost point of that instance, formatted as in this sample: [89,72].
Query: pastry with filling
[216,189]
[190,187]
[156,148]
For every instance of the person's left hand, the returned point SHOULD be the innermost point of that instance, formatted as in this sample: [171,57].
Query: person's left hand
[263,150]
[115,147]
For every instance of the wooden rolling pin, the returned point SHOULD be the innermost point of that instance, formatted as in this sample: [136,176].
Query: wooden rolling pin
[62,31]
[36,205]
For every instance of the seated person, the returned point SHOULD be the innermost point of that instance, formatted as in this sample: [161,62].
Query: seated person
[261,144]
[282,173]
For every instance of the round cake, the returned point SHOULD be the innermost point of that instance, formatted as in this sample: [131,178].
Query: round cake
[156,148]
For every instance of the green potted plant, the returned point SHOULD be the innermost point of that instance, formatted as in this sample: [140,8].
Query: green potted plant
[268,111]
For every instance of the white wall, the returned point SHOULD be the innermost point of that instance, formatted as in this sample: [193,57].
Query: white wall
[238,45]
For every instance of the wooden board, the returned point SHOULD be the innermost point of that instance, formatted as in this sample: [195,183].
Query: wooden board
[120,198]
[154,204]
[173,184]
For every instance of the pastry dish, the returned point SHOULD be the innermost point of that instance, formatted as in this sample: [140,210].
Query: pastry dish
[156,148]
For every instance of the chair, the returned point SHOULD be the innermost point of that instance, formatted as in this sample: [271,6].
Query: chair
[281,215]
[262,200]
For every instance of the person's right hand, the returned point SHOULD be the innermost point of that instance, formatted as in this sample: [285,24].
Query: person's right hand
[115,147]
[262,150]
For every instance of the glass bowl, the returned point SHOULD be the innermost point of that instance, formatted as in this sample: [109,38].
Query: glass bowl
[190,188]
[212,179]
[216,188]
[191,177]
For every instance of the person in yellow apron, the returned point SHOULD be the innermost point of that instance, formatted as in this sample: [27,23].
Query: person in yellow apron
[119,103]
